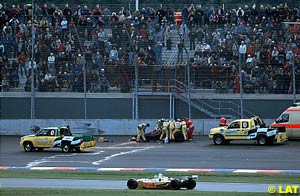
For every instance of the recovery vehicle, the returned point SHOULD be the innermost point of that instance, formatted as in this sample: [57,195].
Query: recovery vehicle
[57,137]
[247,129]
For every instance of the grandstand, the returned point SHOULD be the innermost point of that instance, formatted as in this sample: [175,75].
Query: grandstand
[97,48]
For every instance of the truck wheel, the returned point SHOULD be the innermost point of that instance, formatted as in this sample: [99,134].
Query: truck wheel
[28,147]
[262,140]
[191,184]
[132,184]
[66,147]
[219,139]
[175,184]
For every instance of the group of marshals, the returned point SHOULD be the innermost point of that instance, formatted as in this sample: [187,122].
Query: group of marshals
[168,129]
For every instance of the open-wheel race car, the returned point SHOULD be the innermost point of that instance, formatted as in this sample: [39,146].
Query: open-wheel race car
[162,182]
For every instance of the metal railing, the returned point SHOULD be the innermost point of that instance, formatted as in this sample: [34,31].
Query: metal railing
[195,97]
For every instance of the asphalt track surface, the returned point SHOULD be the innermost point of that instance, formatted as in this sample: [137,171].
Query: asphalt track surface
[121,153]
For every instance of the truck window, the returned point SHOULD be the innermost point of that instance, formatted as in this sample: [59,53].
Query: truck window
[65,132]
[234,125]
[283,118]
[44,132]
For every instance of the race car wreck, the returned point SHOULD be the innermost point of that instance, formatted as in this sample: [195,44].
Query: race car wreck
[163,182]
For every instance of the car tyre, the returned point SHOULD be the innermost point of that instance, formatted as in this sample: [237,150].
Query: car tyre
[28,147]
[191,184]
[175,184]
[219,139]
[66,147]
[262,140]
[132,184]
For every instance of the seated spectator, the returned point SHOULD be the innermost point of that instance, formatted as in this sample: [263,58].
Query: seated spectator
[13,80]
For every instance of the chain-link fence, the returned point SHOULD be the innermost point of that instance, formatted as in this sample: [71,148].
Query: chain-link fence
[108,48]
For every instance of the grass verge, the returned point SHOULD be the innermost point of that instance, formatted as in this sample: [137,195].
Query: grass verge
[93,192]
[125,175]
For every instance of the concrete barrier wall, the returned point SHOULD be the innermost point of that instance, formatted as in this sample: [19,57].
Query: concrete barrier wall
[96,127]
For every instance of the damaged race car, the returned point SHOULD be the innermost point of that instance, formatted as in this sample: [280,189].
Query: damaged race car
[163,182]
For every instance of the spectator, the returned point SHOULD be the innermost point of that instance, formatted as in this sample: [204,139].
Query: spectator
[22,58]
[158,52]
[104,84]
[51,63]
[242,51]
[114,55]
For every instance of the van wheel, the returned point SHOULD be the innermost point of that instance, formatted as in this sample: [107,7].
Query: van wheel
[219,139]
[262,140]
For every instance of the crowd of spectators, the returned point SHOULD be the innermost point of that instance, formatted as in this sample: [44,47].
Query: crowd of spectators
[87,40]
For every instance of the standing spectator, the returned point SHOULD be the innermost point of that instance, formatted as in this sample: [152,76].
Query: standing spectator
[97,12]
[64,26]
[185,14]
[101,38]
[67,12]
[51,62]
[275,54]
[158,53]
[180,47]
[192,36]
[242,51]
[264,86]
[22,58]
[99,60]
[199,16]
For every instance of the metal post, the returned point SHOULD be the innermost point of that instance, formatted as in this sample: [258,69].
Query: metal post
[136,4]
[136,70]
[170,105]
[173,106]
[133,103]
[32,64]
[241,86]
[189,90]
[84,87]
[294,81]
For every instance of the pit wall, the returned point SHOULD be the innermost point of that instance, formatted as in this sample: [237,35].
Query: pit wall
[99,126]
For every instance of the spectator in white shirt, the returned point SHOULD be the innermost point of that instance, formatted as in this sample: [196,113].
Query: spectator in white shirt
[51,62]
[242,51]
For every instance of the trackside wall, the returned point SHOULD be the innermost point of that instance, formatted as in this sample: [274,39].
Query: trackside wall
[96,127]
